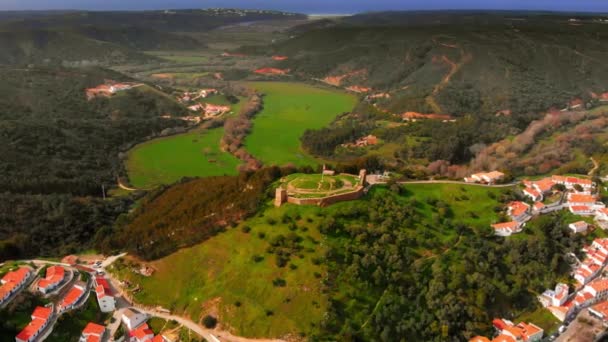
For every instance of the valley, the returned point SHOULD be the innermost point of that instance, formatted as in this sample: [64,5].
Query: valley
[200,154]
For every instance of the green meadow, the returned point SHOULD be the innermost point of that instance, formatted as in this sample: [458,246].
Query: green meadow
[167,160]
[289,110]
[234,274]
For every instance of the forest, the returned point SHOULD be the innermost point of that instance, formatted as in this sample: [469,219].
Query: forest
[59,150]
[389,281]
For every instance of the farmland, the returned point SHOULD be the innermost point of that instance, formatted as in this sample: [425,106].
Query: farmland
[166,160]
[289,110]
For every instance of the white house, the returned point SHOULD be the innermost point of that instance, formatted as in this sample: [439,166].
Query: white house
[54,277]
[570,182]
[518,210]
[71,299]
[485,177]
[578,227]
[132,319]
[507,228]
[601,214]
[107,302]
[582,210]
[555,297]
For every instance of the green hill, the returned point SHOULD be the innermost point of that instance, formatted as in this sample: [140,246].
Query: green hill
[458,63]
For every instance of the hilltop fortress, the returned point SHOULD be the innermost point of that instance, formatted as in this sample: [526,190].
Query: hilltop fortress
[320,189]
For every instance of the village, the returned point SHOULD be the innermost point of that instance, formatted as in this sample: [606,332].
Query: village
[589,295]
[69,284]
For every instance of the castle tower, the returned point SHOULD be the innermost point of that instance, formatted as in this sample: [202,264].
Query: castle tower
[280,197]
[362,176]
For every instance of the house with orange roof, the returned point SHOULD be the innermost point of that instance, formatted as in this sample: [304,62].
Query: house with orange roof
[279,58]
[521,332]
[479,339]
[507,228]
[40,319]
[578,227]
[142,333]
[71,298]
[54,276]
[92,333]
[555,297]
[581,210]
[13,282]
[537,207]
[518,210]
[581,199]
[600,310]
[103,292]
[533,194]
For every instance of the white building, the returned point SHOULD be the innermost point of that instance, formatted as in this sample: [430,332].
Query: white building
[132,319]
[578,227]
[107,302]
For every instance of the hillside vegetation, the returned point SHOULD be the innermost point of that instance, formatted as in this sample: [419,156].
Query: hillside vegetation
[55,145]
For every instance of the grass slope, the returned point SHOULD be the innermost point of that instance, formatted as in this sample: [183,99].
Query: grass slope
[289,110]
[166,160]
[192,279]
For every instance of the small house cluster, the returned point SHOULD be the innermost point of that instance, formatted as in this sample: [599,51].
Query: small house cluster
[358,89]
[507,331]
[13,282]
[93,333]
[209,109]
[103,292]
[590,287]
[413,116]
[578,197]
[369,140]
[187,97]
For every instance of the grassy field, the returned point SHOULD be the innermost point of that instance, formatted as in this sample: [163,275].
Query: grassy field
[180,56]
[166,160]
[318,183]
[468,204]
[232,275]
[290,109]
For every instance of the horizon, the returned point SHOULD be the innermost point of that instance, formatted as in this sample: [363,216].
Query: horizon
[312,7]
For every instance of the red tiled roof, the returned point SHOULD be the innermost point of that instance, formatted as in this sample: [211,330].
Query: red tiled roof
[499,323]
[503,338]
[39,318]
[532,192]
[158,338]
[601,308]
[518,208]
[72,297]
[94,329]
[506,225]
[539,205]
[479,339]
[54,275]
[544,184]
[142,331]
[599,285]
[580,208]
[16,276]
[578,198]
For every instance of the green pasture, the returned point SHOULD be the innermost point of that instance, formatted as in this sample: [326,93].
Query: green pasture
[167,160]
[289,110]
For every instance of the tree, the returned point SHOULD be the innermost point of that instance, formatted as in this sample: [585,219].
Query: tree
[209,322]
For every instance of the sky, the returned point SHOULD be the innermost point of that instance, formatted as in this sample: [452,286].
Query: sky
[312,6]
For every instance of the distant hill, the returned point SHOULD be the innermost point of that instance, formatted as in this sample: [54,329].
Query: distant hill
[78,38]
[41,46]
[458,63]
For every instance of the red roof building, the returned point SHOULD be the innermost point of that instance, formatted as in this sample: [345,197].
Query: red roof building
[72,298]
[54,276]
[40,318]
[93,333]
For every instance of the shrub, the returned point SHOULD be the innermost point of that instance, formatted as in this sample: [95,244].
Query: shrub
[257,258]
[246,229]
[261,235]
[209,322]
[279,282]
[271,221]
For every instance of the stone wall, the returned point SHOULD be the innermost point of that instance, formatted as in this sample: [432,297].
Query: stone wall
[325,201]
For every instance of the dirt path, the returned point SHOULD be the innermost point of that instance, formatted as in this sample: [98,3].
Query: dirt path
[454,68]
[596,166]
[124,187]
